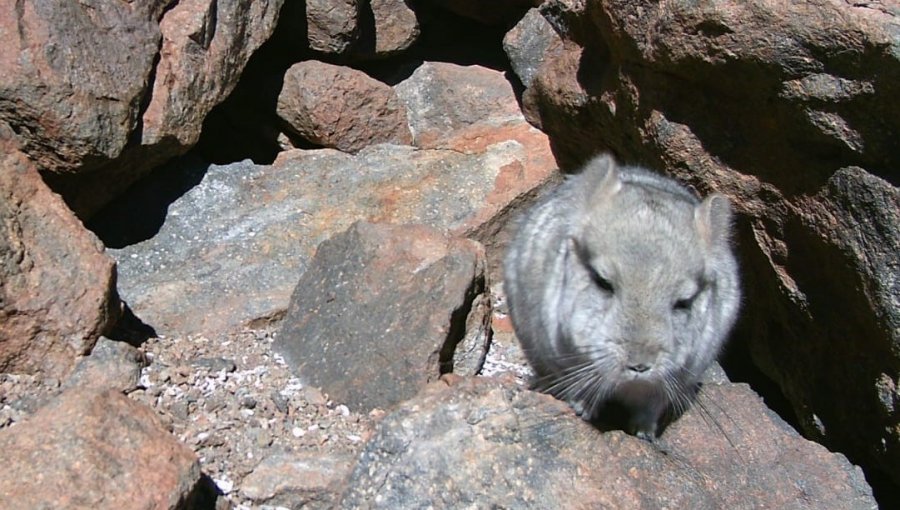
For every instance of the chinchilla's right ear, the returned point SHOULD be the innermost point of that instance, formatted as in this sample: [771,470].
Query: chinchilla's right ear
[600,180]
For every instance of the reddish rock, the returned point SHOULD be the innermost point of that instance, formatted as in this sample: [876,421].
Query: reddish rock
[789,110]
[477,440]
[339,107]
[57,287]
[205,45]
[389,304]
[332,25]
[97,450]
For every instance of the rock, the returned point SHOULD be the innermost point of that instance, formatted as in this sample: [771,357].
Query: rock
[111,365]
[57,287]
[301,480]
[478,440]
[73,75]
[395,28]
[341,108]
[382,310]
[446,100]
[500,12]
[100,450]
[332,25]
[232,248]
[205,46]
[528,45]
[791,112]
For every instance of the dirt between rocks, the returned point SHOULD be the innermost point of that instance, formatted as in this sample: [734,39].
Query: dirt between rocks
[235,403]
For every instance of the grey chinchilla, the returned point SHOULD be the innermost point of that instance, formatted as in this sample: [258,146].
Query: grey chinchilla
[622,288]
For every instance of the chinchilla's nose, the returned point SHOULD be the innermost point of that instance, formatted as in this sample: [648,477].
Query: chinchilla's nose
[638,367]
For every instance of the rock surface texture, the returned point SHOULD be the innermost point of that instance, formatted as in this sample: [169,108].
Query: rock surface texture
[789,109]
[57,287]
[384,309]
[485,440]
[90,449]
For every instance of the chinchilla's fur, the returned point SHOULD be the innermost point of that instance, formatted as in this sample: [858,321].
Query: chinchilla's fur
[622,287]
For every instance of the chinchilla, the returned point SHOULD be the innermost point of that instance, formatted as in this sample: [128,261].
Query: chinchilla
[622,288]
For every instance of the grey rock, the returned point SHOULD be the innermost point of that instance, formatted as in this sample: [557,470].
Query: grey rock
[478,441]
[381,310]
[111,365]
[527,45]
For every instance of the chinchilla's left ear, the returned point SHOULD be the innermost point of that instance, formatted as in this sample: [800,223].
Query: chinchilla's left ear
[712,219]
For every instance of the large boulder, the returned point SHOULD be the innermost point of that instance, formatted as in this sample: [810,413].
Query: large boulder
[462,443]
[790,110]
[384,309]
[57,286]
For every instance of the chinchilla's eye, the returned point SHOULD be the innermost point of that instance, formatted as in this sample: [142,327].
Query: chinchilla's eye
[601,282]
[683,305]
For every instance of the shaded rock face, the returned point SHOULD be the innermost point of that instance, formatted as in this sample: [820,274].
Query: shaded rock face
[381,310]
[57,287]
[65,455]
[482,440]
[790,111]
[123,111]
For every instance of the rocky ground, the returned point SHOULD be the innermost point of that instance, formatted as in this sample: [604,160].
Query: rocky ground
[234,402]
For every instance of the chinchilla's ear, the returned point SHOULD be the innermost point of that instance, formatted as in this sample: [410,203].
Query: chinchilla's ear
[712,218]
[600,180]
